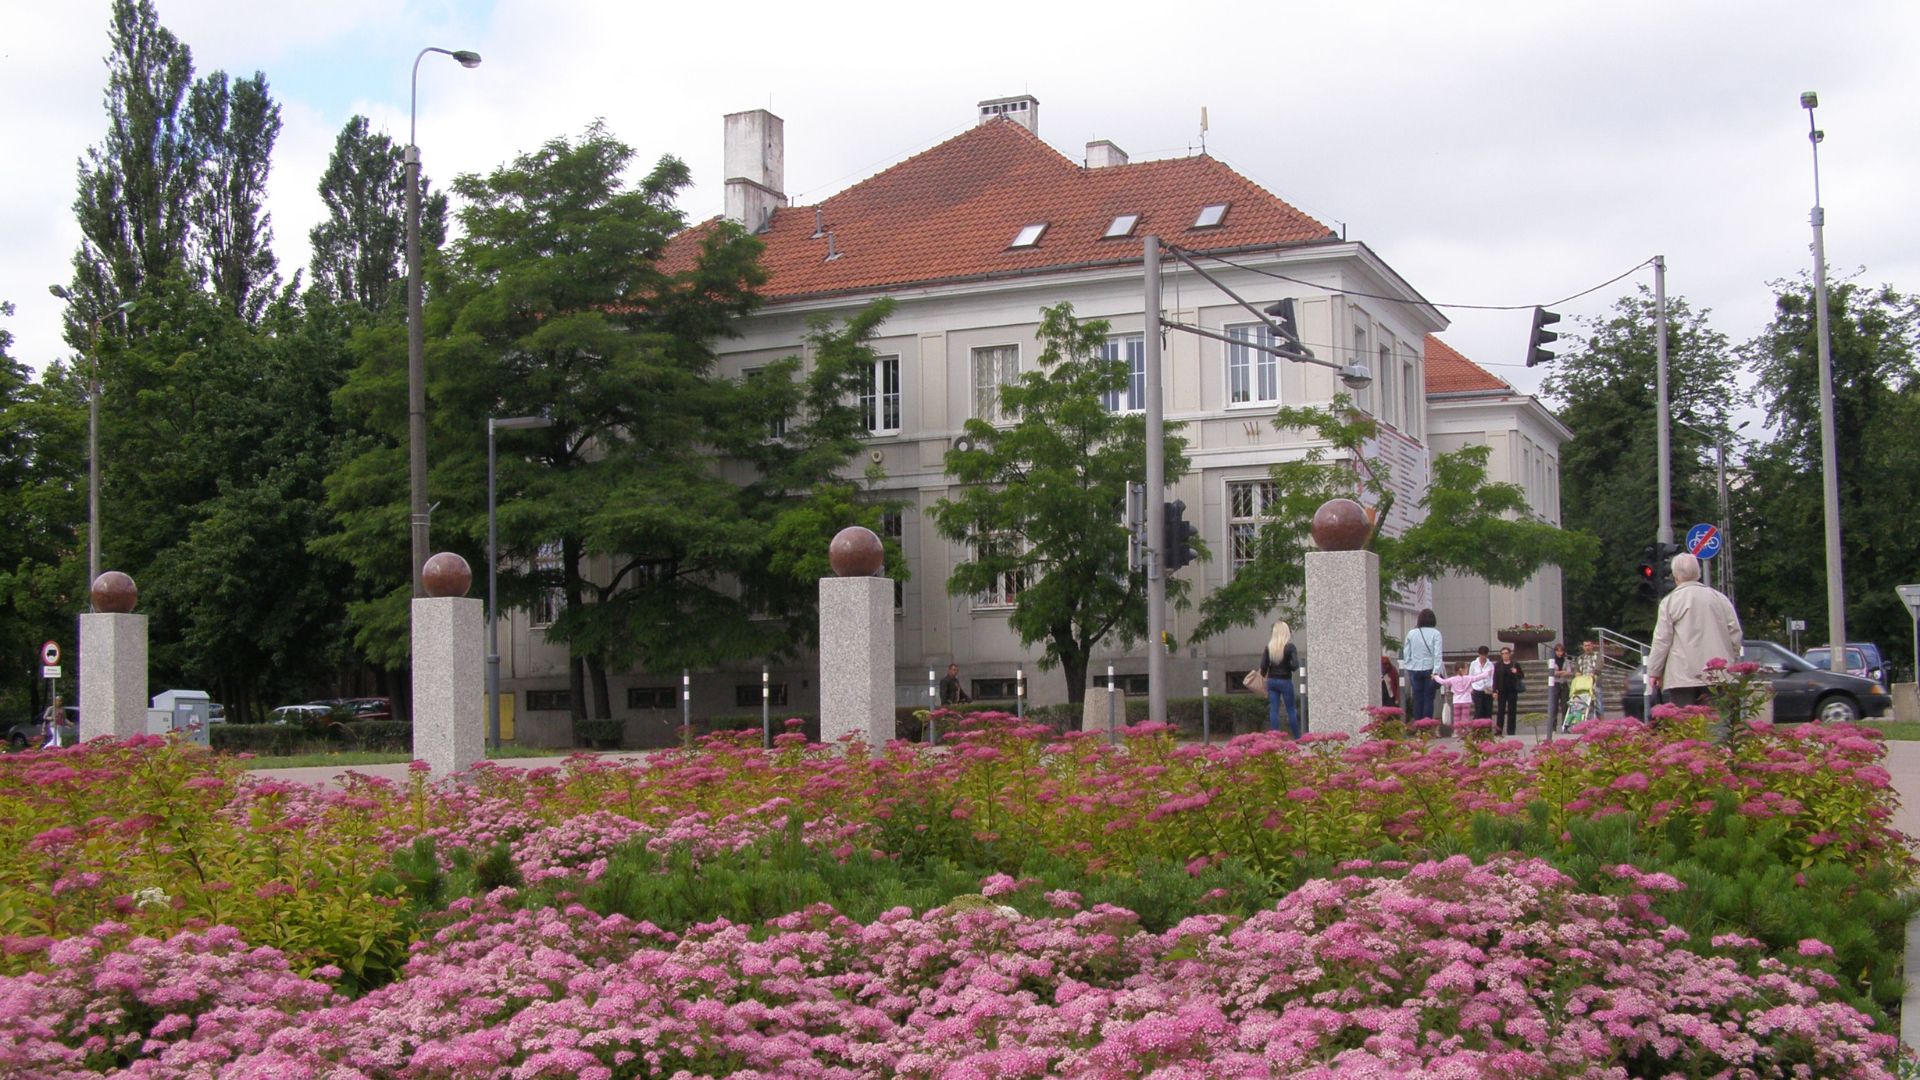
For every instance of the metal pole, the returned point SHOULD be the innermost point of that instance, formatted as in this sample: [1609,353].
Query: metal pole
[1206,716]
[493,606]
[1156,496]
[1726,521]
[1829,455]
[933,705]
[1112,731]
[1020,691]
[416,365]
[93,464]
[766,710]
[686,706]
[1665,533]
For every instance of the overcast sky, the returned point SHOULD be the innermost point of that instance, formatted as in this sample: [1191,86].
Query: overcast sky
[1492,153]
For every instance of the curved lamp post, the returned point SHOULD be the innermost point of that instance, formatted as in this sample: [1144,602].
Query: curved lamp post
[416,340]
[1829,465]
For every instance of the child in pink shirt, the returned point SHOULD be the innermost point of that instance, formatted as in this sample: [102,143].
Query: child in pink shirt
[1460,689]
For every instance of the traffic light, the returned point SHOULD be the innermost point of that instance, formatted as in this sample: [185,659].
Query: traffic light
[1179,535]
[1288,326]
[1649,590]
[1663,567]
[1541,337]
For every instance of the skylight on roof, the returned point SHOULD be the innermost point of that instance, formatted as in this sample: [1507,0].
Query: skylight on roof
[1029,236]
[1122,226]
[1210,216]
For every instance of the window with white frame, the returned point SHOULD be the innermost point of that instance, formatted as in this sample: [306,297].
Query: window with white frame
[1007,584]
[1386,372]
[1253,375]
[1410,390]
[893,526]
[993,367]
[1133,349]
[777,427]
[552,599]
[1247,505]
[1362,397]
[880,395]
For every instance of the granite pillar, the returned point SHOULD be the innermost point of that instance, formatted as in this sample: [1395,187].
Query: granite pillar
[856,659]
[1343,637]
[113,675]
[449,682]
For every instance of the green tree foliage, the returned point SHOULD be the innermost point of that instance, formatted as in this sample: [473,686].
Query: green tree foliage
[232,126]
[42,515]
[1609,480]
[1874,334]
[1470,525]
[359,250]
[1042,502]
[136,187]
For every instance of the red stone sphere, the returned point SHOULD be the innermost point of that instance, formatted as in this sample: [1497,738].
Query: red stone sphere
[115,592]
[1340,525]
[856,552]
[446,574]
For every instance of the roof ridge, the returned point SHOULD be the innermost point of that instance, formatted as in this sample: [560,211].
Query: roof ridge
[972,131]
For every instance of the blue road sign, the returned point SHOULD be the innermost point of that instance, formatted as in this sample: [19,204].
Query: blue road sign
[1703,540]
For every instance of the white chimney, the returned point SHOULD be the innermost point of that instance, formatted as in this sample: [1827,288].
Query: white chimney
[755,166]
[1102,153]
[1024,109]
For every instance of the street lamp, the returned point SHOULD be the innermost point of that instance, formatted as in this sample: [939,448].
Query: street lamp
[497,423]
[1829,460]
[416,339]
[93,443]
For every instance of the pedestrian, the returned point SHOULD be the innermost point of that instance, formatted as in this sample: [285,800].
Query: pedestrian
[951,692]
[1459,687]
[1278,664]
[1389,682]
[1482,671]
[1696,624]
[1509,682]
[1419,659]
[1559,670]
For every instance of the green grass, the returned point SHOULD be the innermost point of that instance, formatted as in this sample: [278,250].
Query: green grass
[350,758]
[1896,730]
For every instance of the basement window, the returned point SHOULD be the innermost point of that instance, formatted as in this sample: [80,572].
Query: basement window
[1029,236]
[1122,226]
[1210,216]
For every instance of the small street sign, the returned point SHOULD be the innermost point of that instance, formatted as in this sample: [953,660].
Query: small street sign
[1797,625]
[50,653]
[50,671]
[1703,540]
[1910,596]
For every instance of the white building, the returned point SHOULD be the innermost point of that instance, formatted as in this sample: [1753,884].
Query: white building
[972,238]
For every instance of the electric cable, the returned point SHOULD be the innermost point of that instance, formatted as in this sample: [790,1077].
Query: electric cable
[1403,300]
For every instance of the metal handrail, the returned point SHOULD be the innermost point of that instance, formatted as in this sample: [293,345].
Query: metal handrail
[1612,637]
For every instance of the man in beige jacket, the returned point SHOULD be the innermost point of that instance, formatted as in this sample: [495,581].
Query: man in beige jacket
[1696,624]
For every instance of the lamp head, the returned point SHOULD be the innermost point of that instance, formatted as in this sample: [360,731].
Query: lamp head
[1356,376]
[467,58]
[1809,100]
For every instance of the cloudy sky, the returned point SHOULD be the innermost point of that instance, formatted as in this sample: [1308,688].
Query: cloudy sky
[1492,153]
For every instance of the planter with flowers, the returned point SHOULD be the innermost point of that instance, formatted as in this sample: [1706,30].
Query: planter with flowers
[1526,639]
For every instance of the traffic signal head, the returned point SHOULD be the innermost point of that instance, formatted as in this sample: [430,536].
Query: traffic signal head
[1179,535]
[1541,337]
[1288,326]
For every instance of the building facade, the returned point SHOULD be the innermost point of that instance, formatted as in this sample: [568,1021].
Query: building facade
[971,239]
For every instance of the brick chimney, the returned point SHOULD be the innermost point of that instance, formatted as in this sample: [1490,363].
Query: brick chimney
[755,166]
[1024,110]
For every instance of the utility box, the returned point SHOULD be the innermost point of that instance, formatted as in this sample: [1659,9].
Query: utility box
[186,712]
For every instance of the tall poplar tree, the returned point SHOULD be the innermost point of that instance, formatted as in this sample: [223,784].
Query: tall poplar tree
[233,125]
[359,251]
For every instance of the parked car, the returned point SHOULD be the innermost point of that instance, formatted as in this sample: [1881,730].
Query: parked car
[1863,659]
[1801,691]
[32,734]
[370,708]
[303,715]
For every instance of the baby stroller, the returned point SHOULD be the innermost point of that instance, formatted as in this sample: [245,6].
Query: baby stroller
[1583,701]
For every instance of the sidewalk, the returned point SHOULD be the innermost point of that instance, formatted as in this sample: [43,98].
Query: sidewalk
[397,771]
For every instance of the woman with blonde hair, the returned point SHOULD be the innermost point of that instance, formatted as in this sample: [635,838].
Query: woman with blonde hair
[1278,664]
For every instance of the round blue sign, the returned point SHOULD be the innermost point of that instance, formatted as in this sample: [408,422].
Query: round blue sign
[1703,540]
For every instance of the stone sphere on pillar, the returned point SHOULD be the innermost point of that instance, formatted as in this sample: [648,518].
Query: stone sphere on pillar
[446,574]
[1340,525]
[856,552]
[114,593]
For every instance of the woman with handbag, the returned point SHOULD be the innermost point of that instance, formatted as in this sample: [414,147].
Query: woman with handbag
[1419,659]
[1278,664]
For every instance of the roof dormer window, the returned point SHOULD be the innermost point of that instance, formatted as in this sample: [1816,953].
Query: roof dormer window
[1122,226]
[1210,216]
[1029,236]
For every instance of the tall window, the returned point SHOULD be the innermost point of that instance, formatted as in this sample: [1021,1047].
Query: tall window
[893,526]
[777,427]
[1410,389]
[1387,373]
[552,599]
[880,395]
[1247,503]
[1362,397]
[1253,376]
[1133,349]
[993,368]
[1008,584]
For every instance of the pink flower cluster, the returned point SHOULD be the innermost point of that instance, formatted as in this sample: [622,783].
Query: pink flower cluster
[1444,969]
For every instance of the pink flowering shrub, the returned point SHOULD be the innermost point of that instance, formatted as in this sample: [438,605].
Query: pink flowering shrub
[1443,969]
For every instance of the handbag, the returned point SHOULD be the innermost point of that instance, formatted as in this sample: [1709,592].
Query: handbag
[1253,680]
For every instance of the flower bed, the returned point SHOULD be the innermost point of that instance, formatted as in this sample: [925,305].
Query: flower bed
[1283,912]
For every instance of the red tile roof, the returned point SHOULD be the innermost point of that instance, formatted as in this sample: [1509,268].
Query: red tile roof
[1448,372]
[949,214]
